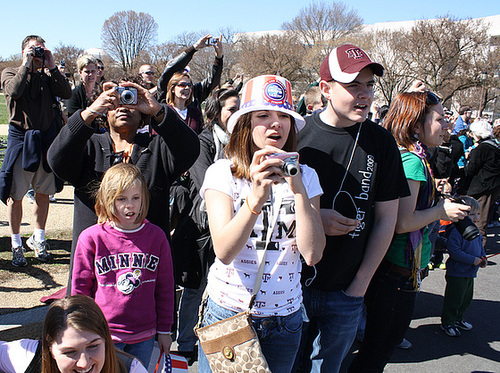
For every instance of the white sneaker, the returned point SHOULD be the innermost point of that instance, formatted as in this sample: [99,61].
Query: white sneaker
[40,249]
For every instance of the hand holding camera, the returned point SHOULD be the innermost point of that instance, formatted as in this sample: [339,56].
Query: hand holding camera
[458,214]
[290,166]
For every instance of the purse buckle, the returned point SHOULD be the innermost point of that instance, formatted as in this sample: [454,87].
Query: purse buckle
[228,352]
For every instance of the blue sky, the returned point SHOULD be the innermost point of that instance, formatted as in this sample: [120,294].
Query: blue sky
[79,23]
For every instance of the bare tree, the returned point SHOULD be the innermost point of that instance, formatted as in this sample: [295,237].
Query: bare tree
[448,54]
[385,48]
[272,54]
[126,34]
[320,27]
[324,23]
[158,56]
[68,53]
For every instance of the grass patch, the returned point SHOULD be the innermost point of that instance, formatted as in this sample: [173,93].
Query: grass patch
[4,115]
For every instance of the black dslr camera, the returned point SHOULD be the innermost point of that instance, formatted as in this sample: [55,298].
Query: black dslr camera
[38,52]
[465,227]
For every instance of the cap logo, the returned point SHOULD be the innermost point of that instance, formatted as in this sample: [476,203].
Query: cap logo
[274,92]
[354,53]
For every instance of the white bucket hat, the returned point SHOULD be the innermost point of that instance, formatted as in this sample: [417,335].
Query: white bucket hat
[267,92]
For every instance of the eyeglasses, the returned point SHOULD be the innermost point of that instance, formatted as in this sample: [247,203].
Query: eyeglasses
[432,99]
[184,84]
[148,72]
[100,67]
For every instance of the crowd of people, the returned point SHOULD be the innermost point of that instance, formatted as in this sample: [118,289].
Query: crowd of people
[321,224]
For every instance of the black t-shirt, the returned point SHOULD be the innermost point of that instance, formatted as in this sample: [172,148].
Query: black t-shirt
[375,175]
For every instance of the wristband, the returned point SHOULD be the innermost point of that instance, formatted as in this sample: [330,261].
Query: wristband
[159,113]
[249,208]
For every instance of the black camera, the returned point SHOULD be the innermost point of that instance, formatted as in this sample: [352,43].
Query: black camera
[38,52]
[128,95]
[465,227]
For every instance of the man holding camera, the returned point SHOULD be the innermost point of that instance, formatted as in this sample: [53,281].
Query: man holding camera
[34,120]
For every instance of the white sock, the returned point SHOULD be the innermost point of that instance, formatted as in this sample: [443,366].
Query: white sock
[39,235]
[15,239]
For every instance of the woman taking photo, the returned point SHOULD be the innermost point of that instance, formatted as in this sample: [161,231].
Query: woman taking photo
[244,194]
[85,92]
[76,337]
[417,122]
[81,156]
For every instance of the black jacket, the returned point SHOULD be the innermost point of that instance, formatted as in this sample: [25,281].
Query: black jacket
[81,156]
[483,167]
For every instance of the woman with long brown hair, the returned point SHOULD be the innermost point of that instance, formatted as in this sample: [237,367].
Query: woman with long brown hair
[76,337]
[254,204]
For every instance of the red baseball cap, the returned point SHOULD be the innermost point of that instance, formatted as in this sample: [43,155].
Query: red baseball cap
[344,63]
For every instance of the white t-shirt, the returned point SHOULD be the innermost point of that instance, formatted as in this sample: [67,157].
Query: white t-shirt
[231,285]
[182,113]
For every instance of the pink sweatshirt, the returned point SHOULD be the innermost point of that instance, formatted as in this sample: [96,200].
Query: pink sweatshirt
[130,276]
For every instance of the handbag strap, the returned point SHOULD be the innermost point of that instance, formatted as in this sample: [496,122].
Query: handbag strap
[275,209]
[273,218]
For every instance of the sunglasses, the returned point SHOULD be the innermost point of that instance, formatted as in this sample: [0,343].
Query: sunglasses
[148,72]
[432,99]
[184,84]
[100,67]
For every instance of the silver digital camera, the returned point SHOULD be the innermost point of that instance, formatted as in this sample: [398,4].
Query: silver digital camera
[212,41]
[290,165]
[128,95]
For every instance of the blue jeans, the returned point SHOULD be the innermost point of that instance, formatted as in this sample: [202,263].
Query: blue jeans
[188,316]
[279,337]
[141,350]
[389,300]
[330,332]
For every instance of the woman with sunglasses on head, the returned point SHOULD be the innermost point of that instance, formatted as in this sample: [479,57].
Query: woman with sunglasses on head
[417,122]
[180,96]
[85,92]
[76,338]
[253,204]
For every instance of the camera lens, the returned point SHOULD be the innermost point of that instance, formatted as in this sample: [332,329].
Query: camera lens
[127,97]
[467,228]
[290,169]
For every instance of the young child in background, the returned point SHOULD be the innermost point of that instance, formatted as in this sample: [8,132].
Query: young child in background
[461,268]
[124,263]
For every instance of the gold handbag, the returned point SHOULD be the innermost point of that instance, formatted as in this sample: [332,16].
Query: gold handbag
[231,345]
